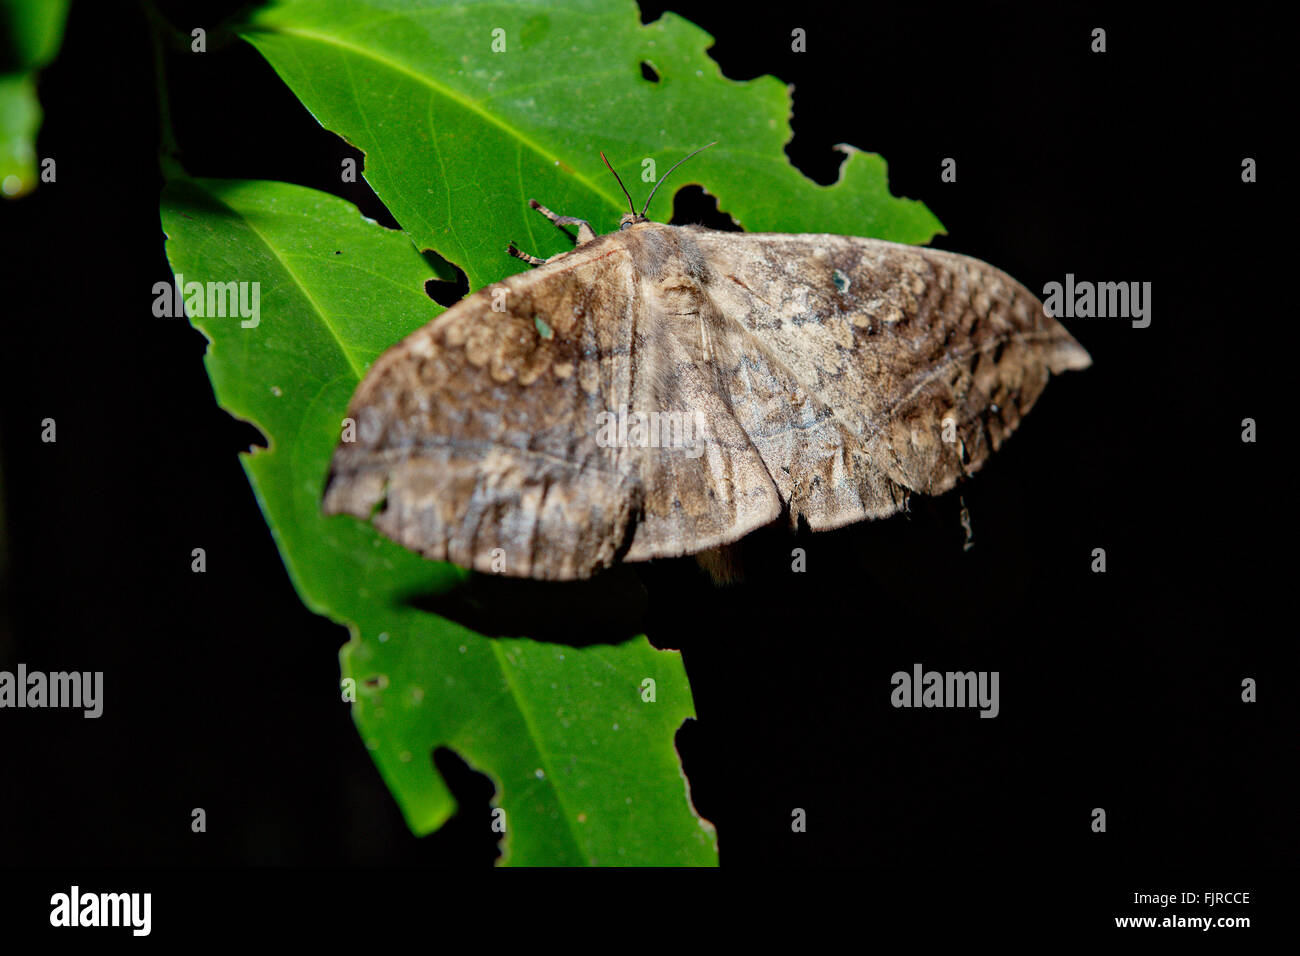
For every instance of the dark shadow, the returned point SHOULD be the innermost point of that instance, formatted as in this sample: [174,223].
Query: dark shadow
[607,609]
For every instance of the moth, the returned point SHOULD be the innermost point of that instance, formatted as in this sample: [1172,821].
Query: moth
[663,390]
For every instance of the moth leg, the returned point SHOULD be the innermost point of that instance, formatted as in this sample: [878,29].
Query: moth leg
[531,260]
[585,232]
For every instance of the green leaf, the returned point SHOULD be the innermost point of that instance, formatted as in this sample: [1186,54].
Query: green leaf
[465,110]
[31,31]
[458,136]
[586,771]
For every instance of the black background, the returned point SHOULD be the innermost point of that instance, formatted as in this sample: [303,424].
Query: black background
[1118,690]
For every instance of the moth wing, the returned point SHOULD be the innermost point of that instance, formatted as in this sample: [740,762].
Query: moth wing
[714,487]
[474,433]
[489,437]
[863,370]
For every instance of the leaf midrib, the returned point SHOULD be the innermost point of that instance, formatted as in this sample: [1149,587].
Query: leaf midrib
[537,740]
[444,91]
[302,286]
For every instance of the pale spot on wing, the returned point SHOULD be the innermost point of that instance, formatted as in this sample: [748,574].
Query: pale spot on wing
[480,344]
[456,332]
[502,369]
[841,332]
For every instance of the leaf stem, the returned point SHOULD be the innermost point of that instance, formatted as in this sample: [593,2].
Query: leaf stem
[161,34]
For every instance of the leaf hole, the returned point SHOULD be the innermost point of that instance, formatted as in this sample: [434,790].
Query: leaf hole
[695,207]
[448,292]
[381,503]
[648,72]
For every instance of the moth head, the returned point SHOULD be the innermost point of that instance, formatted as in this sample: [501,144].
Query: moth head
[632,218]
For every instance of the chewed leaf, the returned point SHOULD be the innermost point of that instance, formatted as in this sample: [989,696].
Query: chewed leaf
[585,768]
[467,109]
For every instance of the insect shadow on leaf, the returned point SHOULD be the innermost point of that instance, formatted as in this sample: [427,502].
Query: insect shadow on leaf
[608,608]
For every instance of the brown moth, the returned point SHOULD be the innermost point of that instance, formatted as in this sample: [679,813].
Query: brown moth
[664,390]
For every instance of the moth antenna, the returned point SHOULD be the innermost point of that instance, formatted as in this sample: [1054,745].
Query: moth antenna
[669,173]
[630,204]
